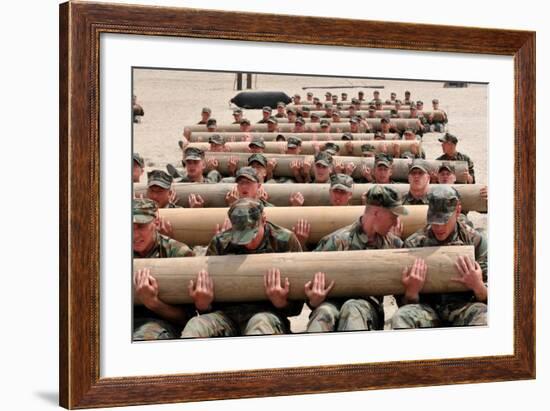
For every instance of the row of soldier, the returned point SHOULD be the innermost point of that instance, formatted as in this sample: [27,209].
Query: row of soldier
[246,231]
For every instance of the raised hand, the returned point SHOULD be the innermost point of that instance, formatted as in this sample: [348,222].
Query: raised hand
[296,199]
[146,287]
[276,291]
[315,290]
[202,291]
[165,227]
[413,279]
[195,201]
[232,196]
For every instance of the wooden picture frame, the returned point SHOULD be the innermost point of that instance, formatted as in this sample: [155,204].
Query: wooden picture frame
[80,27]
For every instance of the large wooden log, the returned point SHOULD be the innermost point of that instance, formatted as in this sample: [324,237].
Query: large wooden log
[344,114]
[314,194]
[374,123]
[400,166]
[308,147]
[363,107]
[196,226]
[239,278]
[198,137]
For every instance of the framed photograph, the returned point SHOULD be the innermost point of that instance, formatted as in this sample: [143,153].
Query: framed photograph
[138,79]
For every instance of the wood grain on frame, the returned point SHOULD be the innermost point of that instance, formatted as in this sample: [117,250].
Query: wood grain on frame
[80,27]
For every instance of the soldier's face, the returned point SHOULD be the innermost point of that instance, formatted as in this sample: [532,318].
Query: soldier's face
[205,116]
[194,168]
[443,231]
[435,106]
[298,127]
[385,127]
[339,197]
[266,114]
[260,170]
[418,179]
[291,117]
[160,195]
[211,128]
[382,174]
[255,149]
[322,172]
[384,220]
[237,116]
[271,127]
[217,148]
[448,148]
[354,127]
[144,236]
[245,127]
[293,150]
[280,110]
[247,188]
[446,177]
[137,172]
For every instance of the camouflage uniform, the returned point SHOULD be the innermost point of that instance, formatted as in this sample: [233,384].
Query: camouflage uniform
[458,156]
[161,179]
[362,313]
[439,126]
[455,309]
[250,174]
[193,153]
[251,318]
[147,324]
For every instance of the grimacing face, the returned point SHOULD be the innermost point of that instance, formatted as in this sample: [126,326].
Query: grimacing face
[247,188]
[382,219]
[144,236]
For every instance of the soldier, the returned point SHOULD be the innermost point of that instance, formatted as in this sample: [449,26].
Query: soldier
[322,169]
[263,167]
[315,118]
[325,126]
[371,231]
[445,228]
[419,184]
[382,172]
[328,96]
[217,143]
[297,99]
[266,113]
[372,112]
[244,126]
[138,166]
[387,127]
[272,125]
[336,118]
[309,96]
[137,110]
[257,145]
[305,111]
[341,189]
[393,96]
[446,173]
[448,145]
[344,96]
[361,95]
[155,319]
[368,150]
[378,135]
[415,151]
[331,148]
[159,189]
[211,125]
[394,113]
[299,125]
[378,105]
[407,99]
[437,125]
[205,115]
[334,99]
[237,115]
[420,106]
[375,96]
[328,111]
[280,110]
[248,186]
[423,126]
[196,166]
[293,146]
[291,115]
[250,233]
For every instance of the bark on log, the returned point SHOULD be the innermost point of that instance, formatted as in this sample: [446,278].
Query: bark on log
[239,278]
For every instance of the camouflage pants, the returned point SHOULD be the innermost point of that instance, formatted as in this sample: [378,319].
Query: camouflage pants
[424,316]
[219,324]
[438,127]
[153,329]
[355,315]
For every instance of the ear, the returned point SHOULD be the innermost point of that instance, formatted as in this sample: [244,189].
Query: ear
[458,209]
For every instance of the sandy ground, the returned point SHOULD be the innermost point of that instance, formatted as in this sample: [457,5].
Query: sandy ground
[174,99]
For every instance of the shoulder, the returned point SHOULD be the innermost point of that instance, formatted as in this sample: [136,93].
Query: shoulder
[442,157]
[393,241]
[284,239]
[219,243]
[175,248]
[417,239]
[336,240]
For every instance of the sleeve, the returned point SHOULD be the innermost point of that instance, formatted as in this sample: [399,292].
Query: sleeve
[213,246]
[184,251]
[293,244]
[329,243]
[481,252]
[214,176]
[471,169]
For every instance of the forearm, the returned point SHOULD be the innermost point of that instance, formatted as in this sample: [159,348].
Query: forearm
[172,313]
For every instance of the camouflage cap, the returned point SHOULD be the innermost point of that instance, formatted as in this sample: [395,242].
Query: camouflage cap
[294,142]
[247,172]
[354,120]
[159,178]
[280,137]
[139,160]
[393,94]
[323,158]
[206,110]
[397,101]
[360,92]
[291,110]
[211,122]
[309,94]
[435,101]
[245,216]
[273,120]
[331,148]
[193,153]
[379,136]
[407,92]
[341,182]
[237,111]
[335,113]
[281,104]
[387,197]
[384,120]
[419,165]
[144,210]
[328,105]
[315,115]
[305,108]
[259,158]
[413,106]
[216,139]
[257,141]
[245,121]
[368,148]
[297,95]
[448,137]
[300,120]
[445,165]
[325,123]
[344,94]
[372,108]
[347,136]
[419,103]
[383,159]
[355,100]
[266,109]
[442,202]
[328,93]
